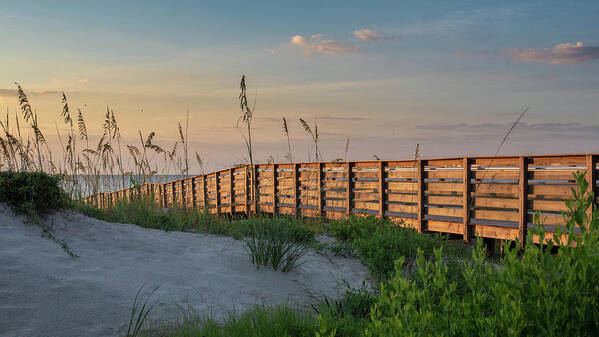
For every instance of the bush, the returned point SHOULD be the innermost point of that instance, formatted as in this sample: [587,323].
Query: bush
[348,315]
[379,242]
[533,293]
[32,193]
[276,242]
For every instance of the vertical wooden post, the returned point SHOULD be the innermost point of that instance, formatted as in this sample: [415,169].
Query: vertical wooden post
[381,188]
[274,189]
[254,188]
[420,186]
[183,194]
[296,198]
[523,201]
[205,194]
[231,197]
[217,184]
[164,196]
[247,185]
[348,200]
[193,193]
[591,164]
[320,190]
[174,195]
[466,175]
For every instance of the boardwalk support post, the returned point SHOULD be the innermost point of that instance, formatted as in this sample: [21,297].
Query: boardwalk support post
[523,201]
[420,187]
[466,176]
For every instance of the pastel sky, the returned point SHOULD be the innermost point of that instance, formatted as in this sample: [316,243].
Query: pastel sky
[451,76]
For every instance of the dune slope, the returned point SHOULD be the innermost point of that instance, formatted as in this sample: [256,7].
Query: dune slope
[45,292]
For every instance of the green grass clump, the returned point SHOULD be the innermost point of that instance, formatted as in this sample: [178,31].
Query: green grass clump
[347,316]
[32,193]
[379,242]
[277,242]
[260,321]
[141,210]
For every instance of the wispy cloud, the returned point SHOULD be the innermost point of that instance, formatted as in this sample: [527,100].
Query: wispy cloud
[565,53]
[13,92]
[335,118]
[570,130]
[367,35]
[316,45]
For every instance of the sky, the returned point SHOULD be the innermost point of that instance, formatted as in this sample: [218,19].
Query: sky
[451,76]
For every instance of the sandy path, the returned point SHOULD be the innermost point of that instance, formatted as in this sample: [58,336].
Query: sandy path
[44,292]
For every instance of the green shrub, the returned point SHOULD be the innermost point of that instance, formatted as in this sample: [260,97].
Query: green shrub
[348,315]
[33,193]
[532,293]
[276,242]
[379,242]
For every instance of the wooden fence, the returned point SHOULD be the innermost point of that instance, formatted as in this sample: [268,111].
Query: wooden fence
[493,197]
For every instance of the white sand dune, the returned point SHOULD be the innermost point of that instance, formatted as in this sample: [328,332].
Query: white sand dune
[45,292]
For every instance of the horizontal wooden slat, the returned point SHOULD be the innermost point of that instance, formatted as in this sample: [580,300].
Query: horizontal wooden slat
[496,232]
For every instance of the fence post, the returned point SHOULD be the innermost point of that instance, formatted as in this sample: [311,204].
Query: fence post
[296,209]
[420,186]
[523,201]
[320,190]
[466,175]
[274,189]
[174,194]
[381,189]
[591,164]
[217,184]
[193,193]
[348,201]
[205,194]
[231,197]
[254,188]
[246,184]
[183,194]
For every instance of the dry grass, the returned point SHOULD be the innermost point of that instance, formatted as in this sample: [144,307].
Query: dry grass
[87,168]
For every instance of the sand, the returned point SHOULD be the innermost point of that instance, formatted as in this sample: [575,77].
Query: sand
[45,292]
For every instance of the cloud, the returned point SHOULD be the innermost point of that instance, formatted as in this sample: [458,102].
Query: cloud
[565,53]
[13,92]
[335,118]
[8,93]
[548,129]
[367,35]
[316,45]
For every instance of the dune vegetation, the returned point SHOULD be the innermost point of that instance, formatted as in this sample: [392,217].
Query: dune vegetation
[421,285]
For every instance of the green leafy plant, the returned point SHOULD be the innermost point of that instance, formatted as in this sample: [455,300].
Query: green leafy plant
[279,244]
[32,193]
[535,292]
[378,242]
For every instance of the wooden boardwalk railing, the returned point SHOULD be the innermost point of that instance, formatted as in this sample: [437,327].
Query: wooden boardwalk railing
[493,197]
